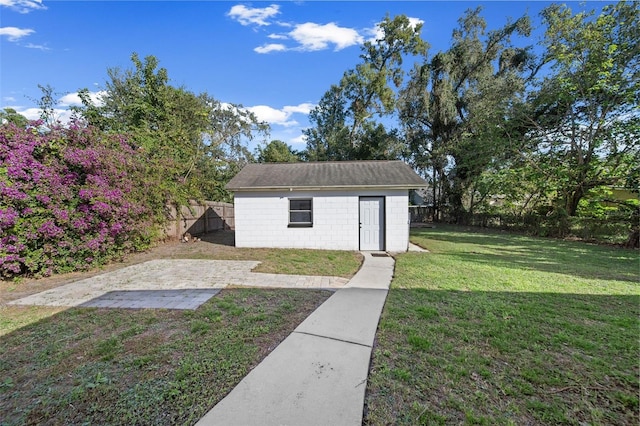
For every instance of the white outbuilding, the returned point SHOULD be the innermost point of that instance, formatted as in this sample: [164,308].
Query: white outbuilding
[342,205]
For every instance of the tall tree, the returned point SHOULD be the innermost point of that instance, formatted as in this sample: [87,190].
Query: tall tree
[47,103]
[348,115]
[588,131]
[226,140]
[193,142]
[369,88]
[329,138]
[456,104]
[376,143]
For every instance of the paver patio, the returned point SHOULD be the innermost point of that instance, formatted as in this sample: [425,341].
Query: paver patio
[170,284]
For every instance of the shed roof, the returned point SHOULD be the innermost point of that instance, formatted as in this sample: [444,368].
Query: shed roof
[326,175]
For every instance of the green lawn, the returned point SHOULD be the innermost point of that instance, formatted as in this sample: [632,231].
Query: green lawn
[144,366]
[150,366]
[492,328]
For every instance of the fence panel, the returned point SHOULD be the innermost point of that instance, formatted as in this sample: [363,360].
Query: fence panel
[199,218]
[420,214]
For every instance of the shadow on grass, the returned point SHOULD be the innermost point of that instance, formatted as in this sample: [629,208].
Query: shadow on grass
[222,237]
[143,366]
[530,253]
[453,357]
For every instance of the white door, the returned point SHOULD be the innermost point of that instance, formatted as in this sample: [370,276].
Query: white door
[371,223]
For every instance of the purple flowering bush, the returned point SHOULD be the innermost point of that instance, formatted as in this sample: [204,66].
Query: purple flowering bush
[70,198]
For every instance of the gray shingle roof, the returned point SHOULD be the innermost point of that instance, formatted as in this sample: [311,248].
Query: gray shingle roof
[326,175]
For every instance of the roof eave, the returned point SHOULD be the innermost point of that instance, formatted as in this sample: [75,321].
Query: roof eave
[321,188]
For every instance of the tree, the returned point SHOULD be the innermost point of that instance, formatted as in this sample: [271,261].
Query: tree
[376,143]
[329,138]
[226,149]
[193,143]
[11,116]
[456,106]
[46,103]
[277,151]
[346,116]
[589,135]
[369,88]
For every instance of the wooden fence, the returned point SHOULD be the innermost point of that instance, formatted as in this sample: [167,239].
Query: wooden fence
[420,214]
[199,218]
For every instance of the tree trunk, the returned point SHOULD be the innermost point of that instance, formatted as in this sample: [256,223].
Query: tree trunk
[436,202]
[634,239]
[634,233]
[455,198]
[573,200]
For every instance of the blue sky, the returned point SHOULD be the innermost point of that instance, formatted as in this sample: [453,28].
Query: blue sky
[276,58]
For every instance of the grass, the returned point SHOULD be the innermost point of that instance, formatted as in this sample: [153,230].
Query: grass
[220,245]
[497,329]
[149,366]
[292,261]
[15,317]
[215,246]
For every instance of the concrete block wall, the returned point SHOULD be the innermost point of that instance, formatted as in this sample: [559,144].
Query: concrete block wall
[262,220]
[397,222]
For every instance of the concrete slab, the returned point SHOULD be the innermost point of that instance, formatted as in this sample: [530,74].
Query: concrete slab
[137,299]
[350,315]
[306,380]
[173,274]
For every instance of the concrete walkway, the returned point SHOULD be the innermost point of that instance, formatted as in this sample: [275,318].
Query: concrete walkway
[415,247]
[317,375]
[169,284]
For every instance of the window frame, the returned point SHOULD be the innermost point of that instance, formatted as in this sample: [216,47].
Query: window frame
[293,224]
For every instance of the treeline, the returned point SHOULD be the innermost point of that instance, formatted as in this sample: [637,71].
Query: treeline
[496,124]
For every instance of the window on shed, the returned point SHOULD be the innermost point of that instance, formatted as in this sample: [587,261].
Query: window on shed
[300,212]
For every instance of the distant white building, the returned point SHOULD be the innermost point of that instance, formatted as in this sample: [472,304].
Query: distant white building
[345,205]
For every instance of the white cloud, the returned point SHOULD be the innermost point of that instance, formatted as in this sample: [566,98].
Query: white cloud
[304,108]
[73,99]
[414,22]
[14,33]
[309,36]
[226,105]
[272,115]
[23,6]
[300,140]
[30,113]
[61,115]
[236,110]
[9,99]
[313,36]
[377,33]
[280,117]
[250,15]
[272,47]
[37,46]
